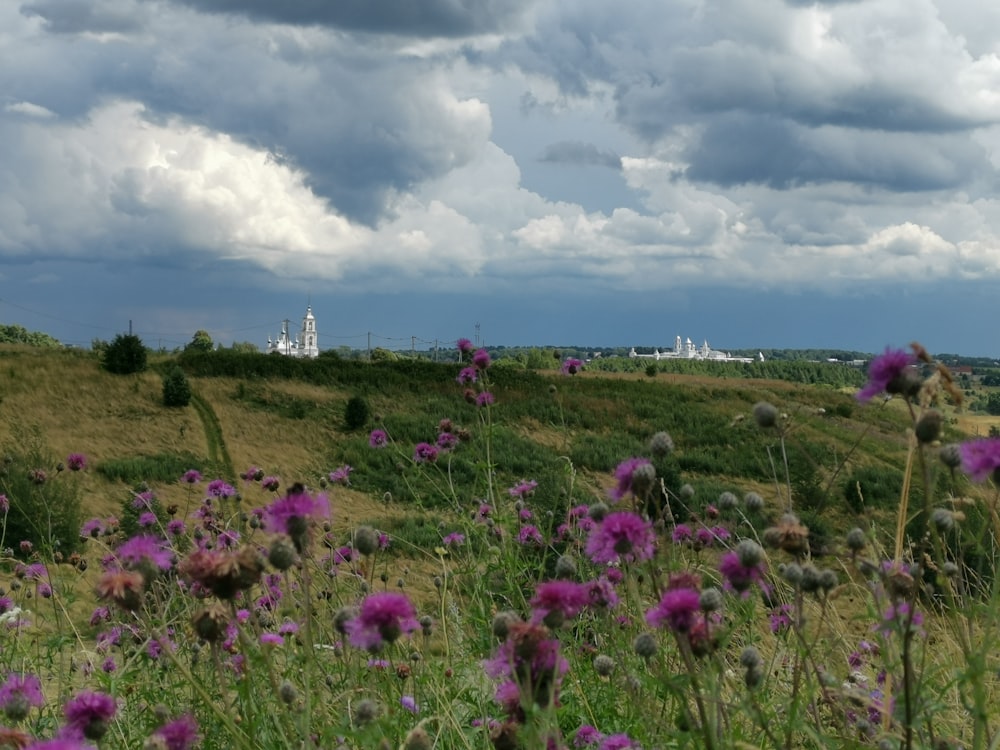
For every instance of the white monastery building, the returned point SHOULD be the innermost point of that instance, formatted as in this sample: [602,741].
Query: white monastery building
[687,350]
[305,344]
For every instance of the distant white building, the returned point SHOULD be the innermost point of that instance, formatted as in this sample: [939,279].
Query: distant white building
[305,344]
[687,350]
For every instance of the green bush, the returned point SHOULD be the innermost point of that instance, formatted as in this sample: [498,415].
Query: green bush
[357,412]
[873,487]
[176,389]
[44,501]
[125,355]
[162,467]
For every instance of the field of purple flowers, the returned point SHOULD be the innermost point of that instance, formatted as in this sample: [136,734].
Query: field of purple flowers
[651,617]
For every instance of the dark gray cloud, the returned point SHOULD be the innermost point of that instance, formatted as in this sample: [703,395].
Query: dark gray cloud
[422,18]
[575,152]
[72,17]
[739,149]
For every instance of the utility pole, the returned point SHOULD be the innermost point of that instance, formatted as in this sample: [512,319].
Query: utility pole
[435,350]
[130,327]
[477,333]
[369,346]
[413,346]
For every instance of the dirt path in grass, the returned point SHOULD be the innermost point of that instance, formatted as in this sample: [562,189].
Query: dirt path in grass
[217,451]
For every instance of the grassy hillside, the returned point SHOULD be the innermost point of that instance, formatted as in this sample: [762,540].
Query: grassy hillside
[291,425]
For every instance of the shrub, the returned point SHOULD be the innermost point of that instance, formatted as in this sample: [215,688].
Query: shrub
[176,389]
[44,501]
[651,370]
[125,355]
[356,413]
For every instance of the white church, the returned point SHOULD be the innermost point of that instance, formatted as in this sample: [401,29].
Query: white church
[305,343]
[688,350]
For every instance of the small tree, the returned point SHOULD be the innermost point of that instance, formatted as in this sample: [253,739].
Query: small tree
[356,413]
[200,342]
[125,355]
[176,389]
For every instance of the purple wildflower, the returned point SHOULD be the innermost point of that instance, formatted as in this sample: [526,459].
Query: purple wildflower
[485,399]
[464,346]
[378,439]
[481,359]
[618,742]
[76,462]
[270,483]
[446,441]
[781,618]
[382,619]
[980,458]
[587,735]
[682,533]
[455,538]
[341,475]
[885,373]
[621,536]
[145,550]
[176,527]
[60,743]
[221,489]
[4,503]
[19,694]
[676,610]
[467,376]
[523,489]
[623,475]
[191,476]
[179,734]
[557,601]
[408,702]
[571,366]
[530,665]
[529,534]
[425,453]
[271,639]
[147,520]
[89,713]
[292,513]
[743,567]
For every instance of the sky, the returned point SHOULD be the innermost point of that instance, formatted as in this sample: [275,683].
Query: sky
[754,173]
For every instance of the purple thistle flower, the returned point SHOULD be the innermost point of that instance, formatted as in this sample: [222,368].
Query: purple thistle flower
[408,702]
[621,536]
[76,462]
[18,694]
[455,538]
[60,743]
[270,483]
[885,373]
[485,399]
[781,618]
[89,713]
[176,527]
[523,489]
[528,662]
[446,441]
[467,376]
[980,458]
[382,619]
[179,734]
[4,503]
[464,346]
[623,475]
[571,366]
[145,550]
[378,439]
[587,735]
[221,489]
[271,639]
[737,575]
[191,476]
[147,519]
[529,534]
[143,500]
[481,359]
[682,533]
[341,475]
[425,453]
[291,515]
[557,601]
[676,610]
[618,742]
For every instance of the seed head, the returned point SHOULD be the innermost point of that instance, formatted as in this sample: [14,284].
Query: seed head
[661,444]
[287,693]
[710,599]
[749,553]
[943,520]
[765,414]
[645,645]
[950,455]
[365,712]
[727,501]
[928,427]
[282,554]
[502,622]
[753,502]
[604,665]
[365,540]
[565,567]
[597,511]
[855,540]
[750,658]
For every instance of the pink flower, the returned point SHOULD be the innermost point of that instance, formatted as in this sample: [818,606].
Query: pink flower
[885,373]
[89,713]
[485,399]
[382,619]
[179,734]
[464,346]
[341,475]
[571,366]
[980,458]
[378,439]
[524,489]
[467,376]
[19,694]
[676,610]
[481,359]
[623,475]
[191,476]
[556,601]
[621,536]
[76,462]
[425,453]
